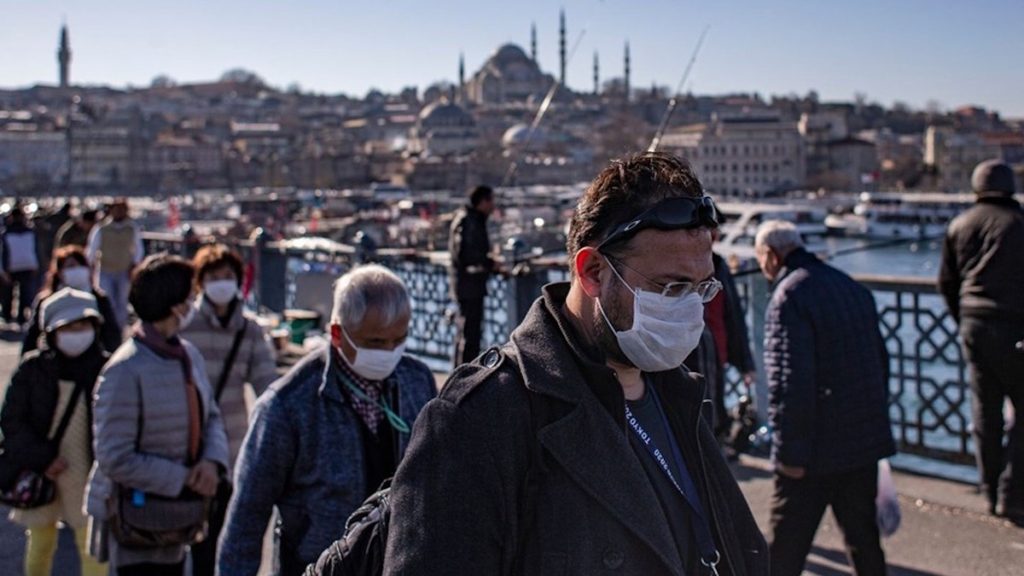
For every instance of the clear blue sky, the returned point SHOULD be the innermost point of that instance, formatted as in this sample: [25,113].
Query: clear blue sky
[955,52]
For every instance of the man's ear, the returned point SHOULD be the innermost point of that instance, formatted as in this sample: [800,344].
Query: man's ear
[336,335]
[588,265]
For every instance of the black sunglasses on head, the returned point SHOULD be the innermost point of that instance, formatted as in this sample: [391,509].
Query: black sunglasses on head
[680,213]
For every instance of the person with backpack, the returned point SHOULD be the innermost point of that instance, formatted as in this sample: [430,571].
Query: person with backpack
[160,445]
[580,447]
[238,355]
[19,265]
[326,435]
[46,426]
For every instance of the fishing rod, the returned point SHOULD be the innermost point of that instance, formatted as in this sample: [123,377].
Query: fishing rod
[548,99]
[656,141]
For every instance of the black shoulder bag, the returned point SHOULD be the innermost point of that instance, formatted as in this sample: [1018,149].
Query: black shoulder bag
[33,489]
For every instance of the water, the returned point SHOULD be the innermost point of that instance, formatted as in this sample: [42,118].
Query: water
[918,259]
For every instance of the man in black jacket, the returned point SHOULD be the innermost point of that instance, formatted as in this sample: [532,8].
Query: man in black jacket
[579,447]
[981,281]
[470,250]
[828,381]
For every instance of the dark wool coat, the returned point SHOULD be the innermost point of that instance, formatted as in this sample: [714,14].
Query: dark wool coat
[523,466]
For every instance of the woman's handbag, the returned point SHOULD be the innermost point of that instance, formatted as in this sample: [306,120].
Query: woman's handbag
[33,489]
[141,520]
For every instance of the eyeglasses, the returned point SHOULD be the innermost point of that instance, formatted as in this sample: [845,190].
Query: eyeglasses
[707,290]
[680,213]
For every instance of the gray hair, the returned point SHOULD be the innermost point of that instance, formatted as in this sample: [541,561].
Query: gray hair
[369,286]
[779,235]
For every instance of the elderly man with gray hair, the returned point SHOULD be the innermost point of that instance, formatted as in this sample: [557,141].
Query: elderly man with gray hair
[828,372]
[324,437]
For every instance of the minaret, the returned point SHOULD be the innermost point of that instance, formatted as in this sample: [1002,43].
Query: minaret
[533,41]
[561,46]
[627,71]
[597,75]
[64,57]
[462,76]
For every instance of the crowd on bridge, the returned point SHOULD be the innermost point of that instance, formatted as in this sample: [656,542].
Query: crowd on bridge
[147,413]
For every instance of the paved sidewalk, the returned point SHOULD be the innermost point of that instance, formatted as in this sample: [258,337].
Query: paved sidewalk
[945,530]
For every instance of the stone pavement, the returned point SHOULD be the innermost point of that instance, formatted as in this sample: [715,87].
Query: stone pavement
[945,530]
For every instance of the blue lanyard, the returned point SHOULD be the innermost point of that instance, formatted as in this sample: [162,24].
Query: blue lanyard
[709,555]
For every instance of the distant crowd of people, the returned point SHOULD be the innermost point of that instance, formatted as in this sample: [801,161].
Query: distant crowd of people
[147,413]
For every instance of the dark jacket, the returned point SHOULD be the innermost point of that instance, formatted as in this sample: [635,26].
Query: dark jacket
[735,319]
[464,494]
[31,404]
[827,370]
[470,250]
[983,261]
[109,334]
[304,455]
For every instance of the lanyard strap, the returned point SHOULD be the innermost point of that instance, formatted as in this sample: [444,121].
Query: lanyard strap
[394,420]
[709,555]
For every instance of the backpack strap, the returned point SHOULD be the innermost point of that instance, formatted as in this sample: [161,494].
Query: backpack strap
[229,362]
[541,414]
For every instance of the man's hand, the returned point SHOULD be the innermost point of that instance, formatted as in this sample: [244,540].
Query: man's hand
[203,479]
[57,467]
[794,472]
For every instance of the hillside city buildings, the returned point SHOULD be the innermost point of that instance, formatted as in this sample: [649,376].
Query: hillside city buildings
[238,132]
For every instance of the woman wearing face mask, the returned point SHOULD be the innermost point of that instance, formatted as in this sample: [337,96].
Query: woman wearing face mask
[238,354]
[160,441]
[52,384]
[70,268]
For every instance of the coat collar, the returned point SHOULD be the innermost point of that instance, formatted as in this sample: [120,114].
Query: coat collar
[798,258]
[208,313]
[591,441]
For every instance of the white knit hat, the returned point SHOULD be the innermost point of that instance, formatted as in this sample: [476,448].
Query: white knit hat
[68,305]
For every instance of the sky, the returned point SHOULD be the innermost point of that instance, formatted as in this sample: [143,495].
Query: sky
[951,52]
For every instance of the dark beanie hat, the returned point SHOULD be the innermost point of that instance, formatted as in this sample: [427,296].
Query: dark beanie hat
[993,177]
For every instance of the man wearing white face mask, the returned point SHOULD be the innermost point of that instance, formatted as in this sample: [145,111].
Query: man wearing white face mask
[579,447]
[238,355]
[324,437]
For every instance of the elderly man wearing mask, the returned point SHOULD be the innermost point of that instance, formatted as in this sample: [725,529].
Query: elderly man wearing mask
[326,435]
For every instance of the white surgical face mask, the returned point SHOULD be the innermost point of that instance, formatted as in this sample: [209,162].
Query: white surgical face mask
[77,277]
[185,319]
[372,363]
[665,329]
[221,292]
[73,344]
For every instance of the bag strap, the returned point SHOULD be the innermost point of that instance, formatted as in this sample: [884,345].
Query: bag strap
[229,362]
[65,420]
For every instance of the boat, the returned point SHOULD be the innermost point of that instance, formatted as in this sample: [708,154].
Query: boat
[895,215]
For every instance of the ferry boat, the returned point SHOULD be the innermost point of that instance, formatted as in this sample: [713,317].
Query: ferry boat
[893,215]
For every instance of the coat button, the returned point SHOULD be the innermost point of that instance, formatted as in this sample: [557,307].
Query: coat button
[612,559]
[492,358]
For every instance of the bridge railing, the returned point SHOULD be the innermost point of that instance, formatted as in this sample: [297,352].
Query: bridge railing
[929,400]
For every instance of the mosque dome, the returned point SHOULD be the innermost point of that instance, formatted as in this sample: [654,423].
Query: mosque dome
[445,114]
[519,135]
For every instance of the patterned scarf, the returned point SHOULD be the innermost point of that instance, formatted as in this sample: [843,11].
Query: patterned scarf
[172,349]
[369,412]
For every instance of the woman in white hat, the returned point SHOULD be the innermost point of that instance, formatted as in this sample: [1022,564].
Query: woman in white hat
[53,385]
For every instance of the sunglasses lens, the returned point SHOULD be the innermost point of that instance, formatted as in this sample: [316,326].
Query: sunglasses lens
[679,212]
